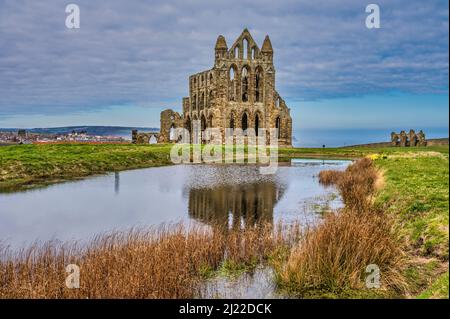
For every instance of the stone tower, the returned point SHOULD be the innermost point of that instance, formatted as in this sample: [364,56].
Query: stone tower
[237,92]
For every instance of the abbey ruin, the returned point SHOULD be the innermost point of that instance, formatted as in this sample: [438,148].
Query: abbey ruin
[411,139]
[238,92]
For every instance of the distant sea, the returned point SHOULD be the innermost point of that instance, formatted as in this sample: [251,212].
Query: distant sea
[346,137]
[302,137]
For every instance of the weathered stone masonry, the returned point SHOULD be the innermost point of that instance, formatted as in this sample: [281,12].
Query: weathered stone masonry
[411,139]
[238,92]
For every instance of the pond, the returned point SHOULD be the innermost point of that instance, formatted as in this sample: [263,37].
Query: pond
[233,195]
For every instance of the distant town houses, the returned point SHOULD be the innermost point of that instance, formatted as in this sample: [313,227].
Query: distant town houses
[24,137]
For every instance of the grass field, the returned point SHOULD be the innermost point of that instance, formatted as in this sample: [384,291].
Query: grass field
[24,166]
[415,190]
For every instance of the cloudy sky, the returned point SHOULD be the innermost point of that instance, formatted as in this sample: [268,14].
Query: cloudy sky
[131,59]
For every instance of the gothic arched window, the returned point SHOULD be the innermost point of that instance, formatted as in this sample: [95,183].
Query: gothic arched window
[201,103]
[210,98]
[203,123]
[232,121]
[232,84]
[245,49]
[278,126]
[188,125]
[244,122]
[245,83]
[172,132]
[194,102]
[258,84]
[210,121]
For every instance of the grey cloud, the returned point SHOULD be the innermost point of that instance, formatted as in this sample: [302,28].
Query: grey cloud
[142,52]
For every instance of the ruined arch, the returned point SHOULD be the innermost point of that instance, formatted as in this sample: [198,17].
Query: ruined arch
[203,122]
[210,98]
[254,53]
[232,80]
[245,48]
[245,82]
[153,139]
[202,101]
[172,132]
[194,102]
[194,129]
[232,120]
[169,121]
[259,77]
[244,121]
[188,124]
[258,121]
[210,120]
[278,125]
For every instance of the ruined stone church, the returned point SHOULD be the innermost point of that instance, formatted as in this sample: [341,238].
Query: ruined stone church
[237,92]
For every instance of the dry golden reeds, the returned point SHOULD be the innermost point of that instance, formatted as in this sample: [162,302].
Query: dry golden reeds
[164,262]
[333,256]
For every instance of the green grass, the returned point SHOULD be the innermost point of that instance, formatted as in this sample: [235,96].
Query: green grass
[24,166]
[438,290]
[355,152]
[416,189]
[416,192]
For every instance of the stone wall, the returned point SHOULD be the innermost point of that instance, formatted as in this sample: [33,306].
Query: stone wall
[143,137]
[169,120]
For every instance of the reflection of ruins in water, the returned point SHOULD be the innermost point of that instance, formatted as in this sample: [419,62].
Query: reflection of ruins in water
[235,205]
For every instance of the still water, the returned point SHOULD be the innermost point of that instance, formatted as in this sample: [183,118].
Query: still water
[233,195]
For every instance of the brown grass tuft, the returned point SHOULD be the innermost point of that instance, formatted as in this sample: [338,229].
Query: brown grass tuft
[333,256]
[164,262]
[329,177]
[357,184]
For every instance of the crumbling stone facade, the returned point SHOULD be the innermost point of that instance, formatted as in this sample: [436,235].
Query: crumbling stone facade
[411,139]
[143,137]
[169,120]
[237,92]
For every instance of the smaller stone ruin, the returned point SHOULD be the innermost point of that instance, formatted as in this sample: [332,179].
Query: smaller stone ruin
[412,138]
[143,137]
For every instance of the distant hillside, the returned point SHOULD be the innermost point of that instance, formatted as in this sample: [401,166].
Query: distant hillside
[123,131]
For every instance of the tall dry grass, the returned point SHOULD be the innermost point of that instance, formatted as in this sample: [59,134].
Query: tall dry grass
[356,184]
[329,177]
[164,262]
[333,256]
